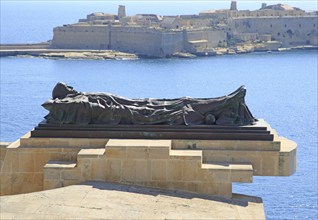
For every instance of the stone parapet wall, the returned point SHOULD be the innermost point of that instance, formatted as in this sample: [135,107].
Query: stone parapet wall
[288,30]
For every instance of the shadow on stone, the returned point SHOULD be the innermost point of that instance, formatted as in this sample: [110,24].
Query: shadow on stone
[237,199]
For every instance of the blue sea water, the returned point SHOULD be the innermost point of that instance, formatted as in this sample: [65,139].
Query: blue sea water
[281,88]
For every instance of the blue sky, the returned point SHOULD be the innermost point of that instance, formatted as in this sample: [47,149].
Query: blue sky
[163,7]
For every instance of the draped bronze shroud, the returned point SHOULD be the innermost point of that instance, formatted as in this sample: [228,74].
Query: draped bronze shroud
[71,107]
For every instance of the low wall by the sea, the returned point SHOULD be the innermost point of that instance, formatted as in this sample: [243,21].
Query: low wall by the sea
[24,46]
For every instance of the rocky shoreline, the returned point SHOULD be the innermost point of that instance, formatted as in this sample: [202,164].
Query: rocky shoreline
[73,54]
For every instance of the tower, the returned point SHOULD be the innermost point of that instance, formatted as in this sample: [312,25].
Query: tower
[233,6]
[121,11]
[264,5]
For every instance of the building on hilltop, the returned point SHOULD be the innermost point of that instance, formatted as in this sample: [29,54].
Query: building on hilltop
[159,36]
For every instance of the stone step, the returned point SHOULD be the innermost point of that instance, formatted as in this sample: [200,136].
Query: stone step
[91,153]
[60,173]
[265,163]
[55,164]
[240,172]
[226,145]
[186,154]
[137,149]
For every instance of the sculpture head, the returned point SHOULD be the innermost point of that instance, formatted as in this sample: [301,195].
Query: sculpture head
[61,90]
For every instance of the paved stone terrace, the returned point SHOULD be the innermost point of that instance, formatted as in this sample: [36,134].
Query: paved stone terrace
[100,200]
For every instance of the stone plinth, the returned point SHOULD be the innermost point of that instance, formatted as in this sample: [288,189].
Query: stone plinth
[201,166]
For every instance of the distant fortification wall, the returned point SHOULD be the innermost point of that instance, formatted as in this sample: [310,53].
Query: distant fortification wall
[138,40]
[81,37]
[172,42]
[288,30]
[128,39]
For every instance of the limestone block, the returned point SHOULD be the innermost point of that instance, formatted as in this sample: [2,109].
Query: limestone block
[205,175]
[225,145]
[115,152]
[34,142]
[58,142]
[114,170]
[78,142]
[26,162]
[158,170]
[22,183]
[62,142]
[227,172]
[137,152]
[287,157]
[40,160]
[60,164]
[97,142]
[98,169]
[270,164]
[52,184]
[159,152]
[225,156]
[91,153]
[242,177]
[224,189]
[70,174]
[190,169]
[186,155]
[8,160]
[31,182]
[85,165]
[174,170]
[222,176]
[3,150]
[143,169]
[138,143]
[5,183]
[71,150]
[220,173]
[52,174]
[37,182]
[68,156]
[129,170]
[55,156]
